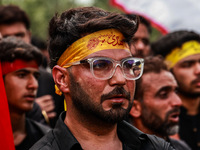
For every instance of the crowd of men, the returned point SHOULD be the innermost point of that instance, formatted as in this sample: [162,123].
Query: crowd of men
[120,91]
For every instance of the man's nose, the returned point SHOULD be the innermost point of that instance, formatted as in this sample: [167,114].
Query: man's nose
[118,76]
[176,101]
[32,82]
[197,68]
[140,45]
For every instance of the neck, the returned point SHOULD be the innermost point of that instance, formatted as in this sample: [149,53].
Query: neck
[18,127]
[138,124]
[191,104]
[93,134]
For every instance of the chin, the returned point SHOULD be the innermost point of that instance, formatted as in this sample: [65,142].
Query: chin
[173,130]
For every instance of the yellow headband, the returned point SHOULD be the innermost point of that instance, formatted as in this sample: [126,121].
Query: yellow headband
[97,41]
[188,48]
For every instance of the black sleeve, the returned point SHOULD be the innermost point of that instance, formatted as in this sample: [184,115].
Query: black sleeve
[159,144]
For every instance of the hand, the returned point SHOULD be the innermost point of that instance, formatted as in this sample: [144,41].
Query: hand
[0,36]
[46,104]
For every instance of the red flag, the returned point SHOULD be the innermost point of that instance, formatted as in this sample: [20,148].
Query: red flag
[165,15]
[6,136]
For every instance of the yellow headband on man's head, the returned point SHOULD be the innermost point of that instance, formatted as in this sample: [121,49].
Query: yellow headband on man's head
[97,41]
[187,49]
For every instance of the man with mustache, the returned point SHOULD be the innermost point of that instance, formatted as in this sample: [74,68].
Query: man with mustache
[94,69]
[156,105]
[20,69]
[181,50]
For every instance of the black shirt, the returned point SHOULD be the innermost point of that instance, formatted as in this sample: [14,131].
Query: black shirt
[34,131]
[60,138]
[190,129]
[178,144]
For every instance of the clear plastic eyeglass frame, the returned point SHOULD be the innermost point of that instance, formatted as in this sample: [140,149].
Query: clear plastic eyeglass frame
[131,67]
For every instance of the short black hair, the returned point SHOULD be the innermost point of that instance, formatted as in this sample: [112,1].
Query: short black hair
[170,41]
[10,14]
[142,21]
[13,48]
[75,23]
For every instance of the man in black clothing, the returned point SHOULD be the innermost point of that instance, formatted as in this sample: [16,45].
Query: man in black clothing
[15,22]
[94,69]
[20,69]
[156,105]
[181,50]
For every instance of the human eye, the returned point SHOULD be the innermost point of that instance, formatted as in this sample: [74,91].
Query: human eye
[128,64]
[21,75]
[21,35]
[176,90]
[134,40]
[163,94]
[146,41]
[187,64]
[102,64]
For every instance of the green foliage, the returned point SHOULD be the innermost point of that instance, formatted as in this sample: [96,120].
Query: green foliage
[155,35]
[41,11]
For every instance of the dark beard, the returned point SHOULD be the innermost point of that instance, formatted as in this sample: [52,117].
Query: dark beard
[154,123]
[181,89]
[188,94]
[90,109]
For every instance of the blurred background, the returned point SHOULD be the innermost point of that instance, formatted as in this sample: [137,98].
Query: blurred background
[41,11]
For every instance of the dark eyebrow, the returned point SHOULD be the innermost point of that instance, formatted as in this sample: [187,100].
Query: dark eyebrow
[165,88]
[190,61]
[26,71]
[16,34]
[22,70]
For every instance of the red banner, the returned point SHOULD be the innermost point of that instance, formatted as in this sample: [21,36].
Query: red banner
[165,15]
[6,136]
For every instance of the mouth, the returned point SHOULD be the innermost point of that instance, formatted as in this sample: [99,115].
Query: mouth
[30,97]
[117,96]
[174,117]
[196,82]
[120,98]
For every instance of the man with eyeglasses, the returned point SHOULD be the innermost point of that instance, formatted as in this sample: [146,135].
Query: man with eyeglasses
[93,68]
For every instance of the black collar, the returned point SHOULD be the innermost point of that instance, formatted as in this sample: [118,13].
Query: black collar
[129,135]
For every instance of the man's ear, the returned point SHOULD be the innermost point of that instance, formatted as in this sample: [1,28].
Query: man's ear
[60,76]
[136,109]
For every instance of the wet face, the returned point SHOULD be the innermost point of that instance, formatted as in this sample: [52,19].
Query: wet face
[17,29]
[141,44]
[160,105]
[187,74]
[21,88]
[107,100]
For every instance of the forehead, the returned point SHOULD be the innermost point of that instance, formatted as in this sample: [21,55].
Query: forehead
[195,57]
[155,81]
[27,70]
[12,29]
[142,31]
[116,54]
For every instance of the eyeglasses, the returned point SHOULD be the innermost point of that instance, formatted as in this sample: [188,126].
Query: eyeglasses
[103,68]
